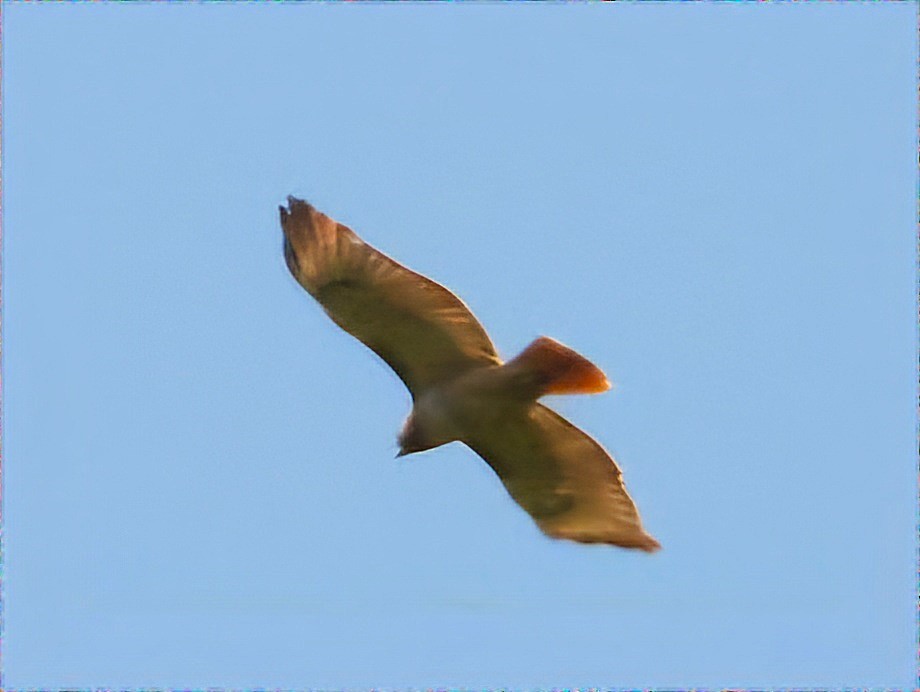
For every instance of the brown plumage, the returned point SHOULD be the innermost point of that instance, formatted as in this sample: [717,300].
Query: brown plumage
[461,389]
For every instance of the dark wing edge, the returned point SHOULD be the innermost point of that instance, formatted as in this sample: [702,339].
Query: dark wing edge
[423,331]
[569,485]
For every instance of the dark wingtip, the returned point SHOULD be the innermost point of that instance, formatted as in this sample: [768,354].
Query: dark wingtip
[644,543]
[295,206]
[649,545]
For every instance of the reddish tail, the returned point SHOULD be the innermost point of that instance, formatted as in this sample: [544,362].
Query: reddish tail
[548,367]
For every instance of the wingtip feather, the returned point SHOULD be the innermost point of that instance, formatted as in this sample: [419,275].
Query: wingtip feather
[649,544]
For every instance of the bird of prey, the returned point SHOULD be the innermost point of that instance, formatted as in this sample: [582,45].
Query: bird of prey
[461,390]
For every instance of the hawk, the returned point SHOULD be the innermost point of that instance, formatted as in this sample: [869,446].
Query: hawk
[461,390]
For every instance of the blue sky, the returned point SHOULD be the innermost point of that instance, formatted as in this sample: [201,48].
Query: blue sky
[715,203]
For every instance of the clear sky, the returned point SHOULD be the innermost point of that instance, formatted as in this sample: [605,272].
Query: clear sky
[715,203]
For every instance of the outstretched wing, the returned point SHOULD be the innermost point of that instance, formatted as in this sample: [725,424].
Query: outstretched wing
[422,330]
[564,479]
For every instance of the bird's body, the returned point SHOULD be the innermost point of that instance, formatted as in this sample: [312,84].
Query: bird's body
[446,412]
[461,389]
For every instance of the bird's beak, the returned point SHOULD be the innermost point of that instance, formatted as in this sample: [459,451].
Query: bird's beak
[401,453]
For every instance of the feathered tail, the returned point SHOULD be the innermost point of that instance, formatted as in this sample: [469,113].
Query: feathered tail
[548,367]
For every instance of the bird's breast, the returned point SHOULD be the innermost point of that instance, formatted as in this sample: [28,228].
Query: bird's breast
[472,400]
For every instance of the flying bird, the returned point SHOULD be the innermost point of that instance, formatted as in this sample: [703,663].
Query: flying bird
[462,390]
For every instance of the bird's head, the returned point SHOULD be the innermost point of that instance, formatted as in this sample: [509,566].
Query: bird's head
[413,438]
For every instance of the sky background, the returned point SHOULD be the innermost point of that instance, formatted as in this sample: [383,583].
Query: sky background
[715,203]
